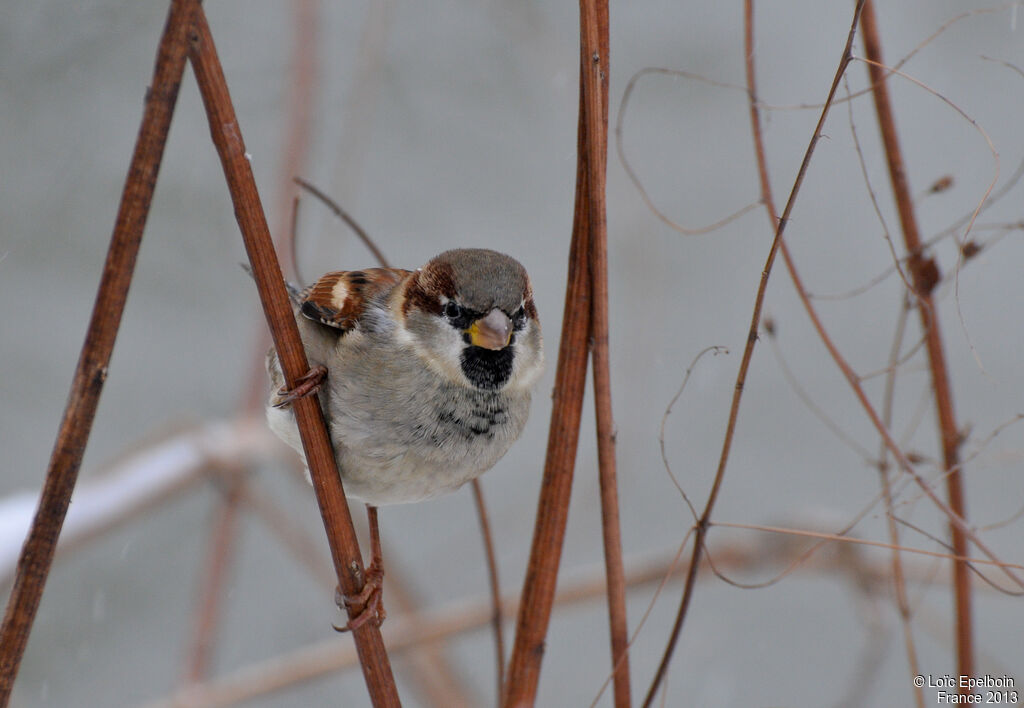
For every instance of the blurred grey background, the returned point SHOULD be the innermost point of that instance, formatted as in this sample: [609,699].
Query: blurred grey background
[453,124]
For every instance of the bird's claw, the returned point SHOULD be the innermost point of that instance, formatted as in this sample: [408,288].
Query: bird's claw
[307,384]
[370,598]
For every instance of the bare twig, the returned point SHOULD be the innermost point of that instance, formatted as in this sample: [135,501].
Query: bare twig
[901,458]
[215,575]
[748,352]
[899,582]
[716,350]
[144,479]
[91,371]
[595,62]
[894,69]
[871,192]
[563,436]
[433,671]
[301,547]
[361,100]
[854,380]
[964,250]
[347,218]
[924,273]
[492,574]
[635,178]
[466,615]
[818,412]
[270,283]
[463,616]
[867,542]
[302,68]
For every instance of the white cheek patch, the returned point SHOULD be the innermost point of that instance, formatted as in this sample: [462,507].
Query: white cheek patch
[404,337]
[451,354]
[526,369]
[446,361]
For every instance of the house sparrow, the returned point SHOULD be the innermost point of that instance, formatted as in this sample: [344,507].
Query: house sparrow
[428,372]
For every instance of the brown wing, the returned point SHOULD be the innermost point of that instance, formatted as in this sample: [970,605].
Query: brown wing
[338,298]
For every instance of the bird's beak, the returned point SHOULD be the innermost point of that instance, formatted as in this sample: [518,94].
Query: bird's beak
[492,331]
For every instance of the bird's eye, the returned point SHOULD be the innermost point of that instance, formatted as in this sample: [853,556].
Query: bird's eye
[519,318]
[452,309]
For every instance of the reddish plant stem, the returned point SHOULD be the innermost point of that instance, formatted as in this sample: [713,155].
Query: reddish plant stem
[924,274]
[358,230]
[315,661]
[594,59]
[302,66]
[302,74]
[435,676]
[429,668]
[91,372]
[301,97]
[327,485]
[899,581]
[563,435]
[215,576]
[854,381]
[492,575]
[769,205]
[748,352]
[301,547]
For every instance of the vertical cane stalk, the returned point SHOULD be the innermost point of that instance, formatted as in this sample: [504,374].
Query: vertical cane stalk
[91,371]
[266,271]
[924,275]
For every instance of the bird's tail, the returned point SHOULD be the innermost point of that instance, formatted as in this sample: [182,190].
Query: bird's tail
[294,291]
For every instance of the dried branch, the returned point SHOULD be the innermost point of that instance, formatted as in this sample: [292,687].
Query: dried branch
[854,381]
[866,542]
[302,80]
[91,371]
[433,671]
[855,384]
[594,61]
[223,536]
[404,633]
[320,659]
[430,670]
[563,435]
[302,68]
[492,575]
[924,273]
[899,582]
[635,178]
[142,480]
[705,518]
[715,350]
[330,495]
[347,218]
[362,99]
[816,410]
[223,532]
